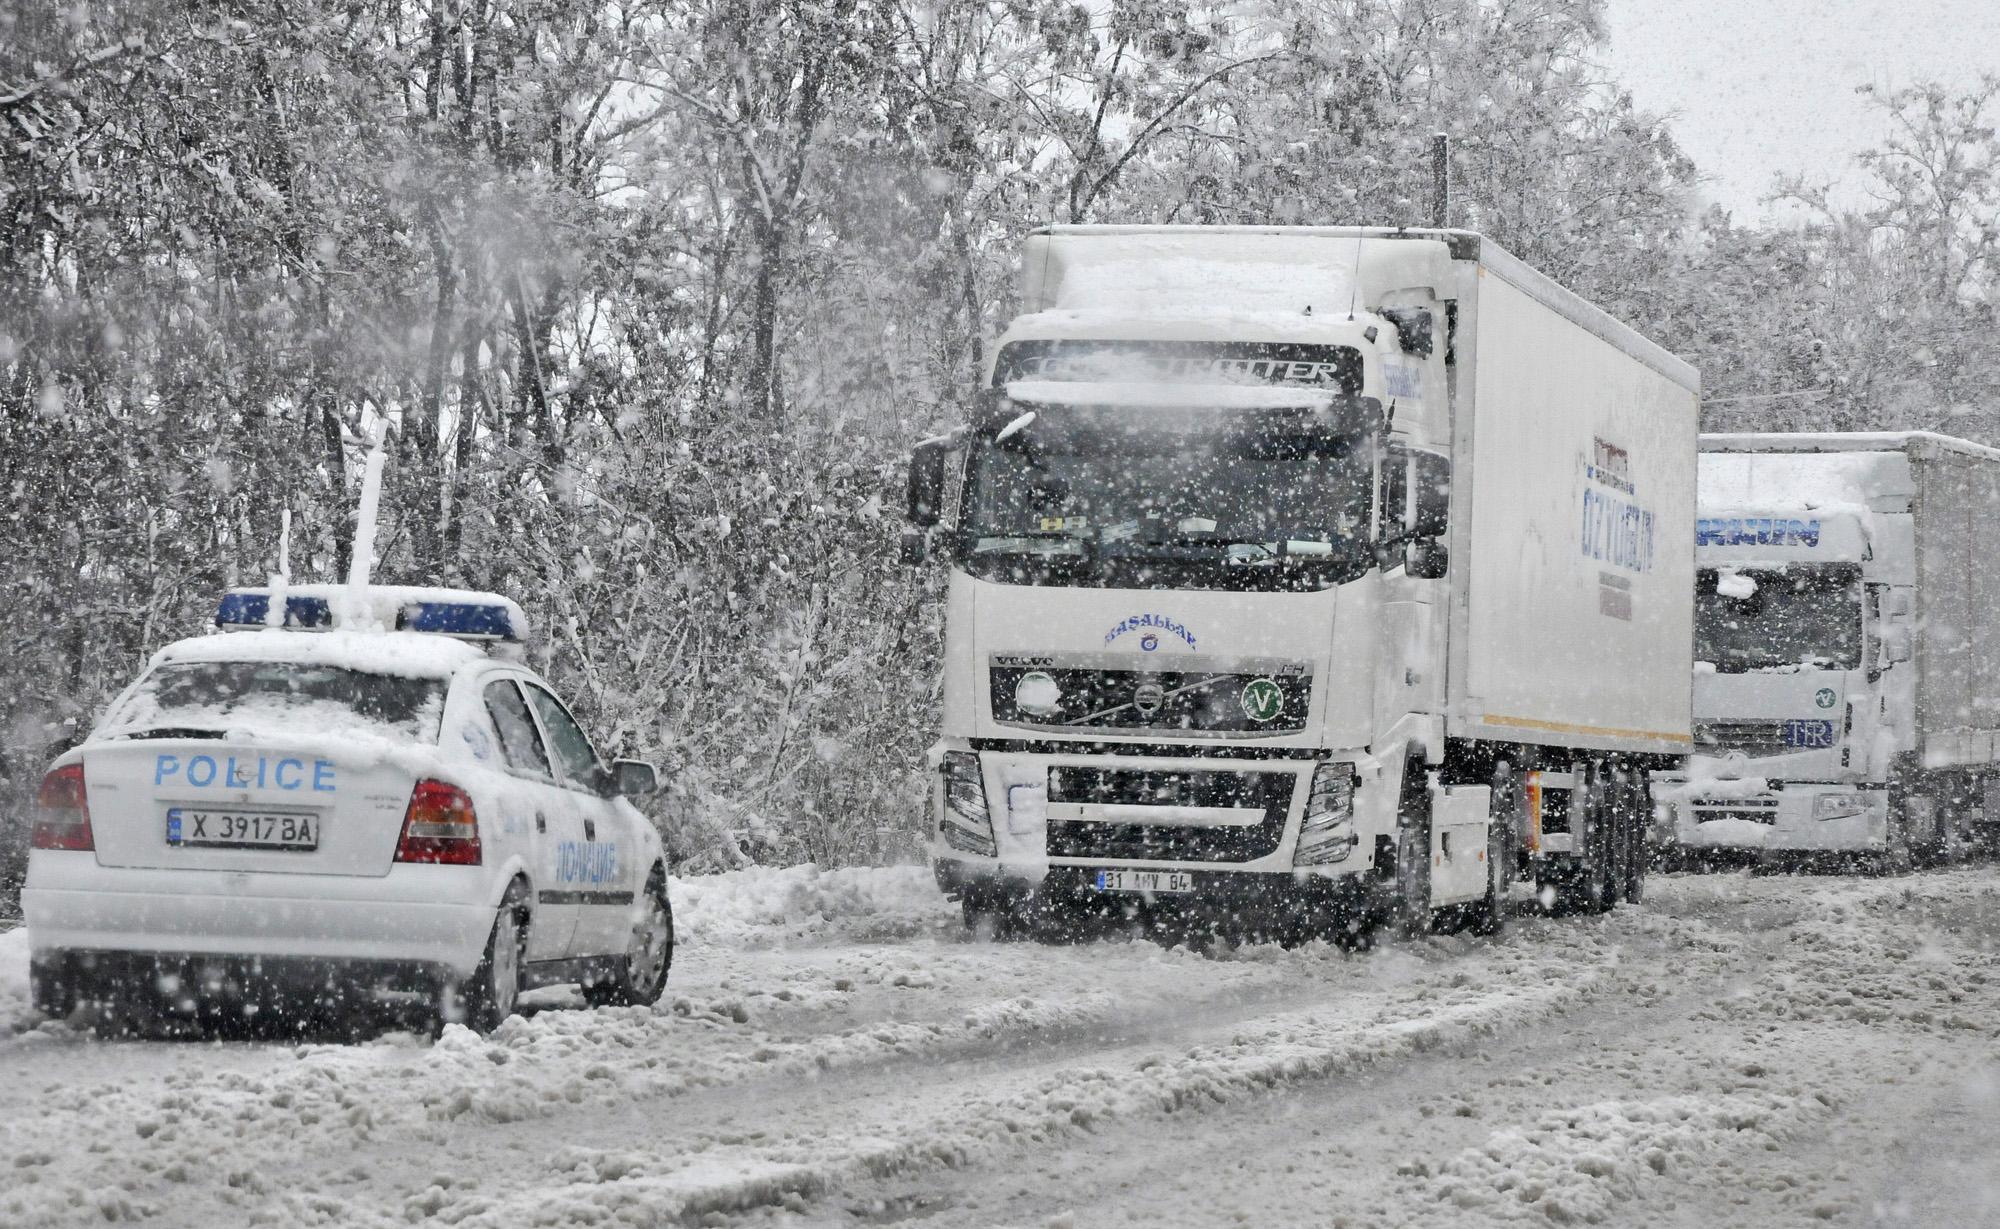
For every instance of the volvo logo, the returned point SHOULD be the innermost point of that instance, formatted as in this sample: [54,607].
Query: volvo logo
[1148,697]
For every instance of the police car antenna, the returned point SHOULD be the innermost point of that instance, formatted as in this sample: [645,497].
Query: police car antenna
[363,561]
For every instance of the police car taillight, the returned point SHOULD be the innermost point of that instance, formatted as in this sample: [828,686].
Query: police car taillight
[439,828]
[62,811]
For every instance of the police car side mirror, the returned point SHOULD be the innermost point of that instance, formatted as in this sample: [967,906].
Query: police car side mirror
[634,778]
[915,546]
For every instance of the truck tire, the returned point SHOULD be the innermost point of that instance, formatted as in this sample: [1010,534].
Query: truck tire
[1413,914]
[1490,914]
[1638,819]
[1592,885]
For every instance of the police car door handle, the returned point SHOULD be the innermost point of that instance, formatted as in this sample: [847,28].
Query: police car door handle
[589,829]
[541,822]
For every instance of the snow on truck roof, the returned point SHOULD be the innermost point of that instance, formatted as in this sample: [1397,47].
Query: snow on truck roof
[1265,272]
[1910,443]
[1152,270]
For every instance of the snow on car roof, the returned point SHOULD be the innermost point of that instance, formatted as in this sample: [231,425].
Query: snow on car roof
[397,654]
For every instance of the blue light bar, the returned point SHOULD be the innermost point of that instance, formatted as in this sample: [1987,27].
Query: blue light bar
[459,619]
[249,607]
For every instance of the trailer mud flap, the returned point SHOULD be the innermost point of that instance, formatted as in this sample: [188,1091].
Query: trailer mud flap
[1459,817]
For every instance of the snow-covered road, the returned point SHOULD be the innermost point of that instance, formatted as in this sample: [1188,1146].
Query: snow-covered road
[1754,1051]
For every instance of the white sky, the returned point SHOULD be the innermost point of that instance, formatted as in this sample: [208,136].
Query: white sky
[1763,86]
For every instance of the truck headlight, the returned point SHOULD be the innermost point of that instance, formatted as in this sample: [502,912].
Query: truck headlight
[965,824]
[1837,806]
[1327,832]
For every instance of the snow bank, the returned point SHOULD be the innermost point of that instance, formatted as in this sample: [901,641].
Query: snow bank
[763,903]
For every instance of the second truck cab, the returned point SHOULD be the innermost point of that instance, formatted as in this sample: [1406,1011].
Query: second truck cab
[1827,566]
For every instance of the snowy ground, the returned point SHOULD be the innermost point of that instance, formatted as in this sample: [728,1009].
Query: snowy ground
[1739,1051]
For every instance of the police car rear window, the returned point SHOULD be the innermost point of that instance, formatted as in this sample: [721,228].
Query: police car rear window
[193,698]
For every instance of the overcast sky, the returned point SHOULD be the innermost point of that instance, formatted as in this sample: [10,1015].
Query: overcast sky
[1764,86]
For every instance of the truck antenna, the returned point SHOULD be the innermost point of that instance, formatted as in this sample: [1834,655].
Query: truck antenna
[1440,180]
[1354,290]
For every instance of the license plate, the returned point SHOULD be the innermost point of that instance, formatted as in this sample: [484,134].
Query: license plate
[1145,881]
[242,829]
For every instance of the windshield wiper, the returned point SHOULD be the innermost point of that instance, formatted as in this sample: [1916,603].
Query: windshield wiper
[168,731]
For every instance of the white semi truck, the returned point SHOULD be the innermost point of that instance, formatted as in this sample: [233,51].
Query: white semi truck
[1309,575]
[1847,628]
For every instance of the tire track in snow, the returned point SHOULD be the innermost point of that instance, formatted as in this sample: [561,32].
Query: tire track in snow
[951,1120]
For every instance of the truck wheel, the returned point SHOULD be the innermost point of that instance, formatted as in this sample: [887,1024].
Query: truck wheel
[1638,819]
[1413,856]
[1592,883]
[1490,916]
[640,975]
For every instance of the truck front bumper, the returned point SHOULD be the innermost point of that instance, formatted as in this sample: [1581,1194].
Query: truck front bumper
[1799,817]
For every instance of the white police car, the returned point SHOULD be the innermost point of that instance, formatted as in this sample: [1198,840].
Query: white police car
[315,811]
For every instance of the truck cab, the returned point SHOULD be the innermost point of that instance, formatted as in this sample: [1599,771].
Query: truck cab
[1833,622]
[1220,596]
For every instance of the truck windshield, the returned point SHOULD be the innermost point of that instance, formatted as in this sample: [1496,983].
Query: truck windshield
[1806,616]
[213,698]
[1255,500]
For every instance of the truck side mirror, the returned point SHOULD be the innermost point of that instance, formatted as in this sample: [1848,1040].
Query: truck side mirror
[1428,559]
[1895,602]
[1428,514]
[926,496]
[1895,645]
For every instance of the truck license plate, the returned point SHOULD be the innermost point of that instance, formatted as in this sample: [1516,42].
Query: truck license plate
[1145,881]
[242,829]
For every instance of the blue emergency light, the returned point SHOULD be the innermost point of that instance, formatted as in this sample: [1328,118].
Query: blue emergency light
[458,613]
[252,607]
[470,619]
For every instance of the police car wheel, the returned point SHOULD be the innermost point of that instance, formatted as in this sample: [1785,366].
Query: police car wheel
[53,989]
[640,975]
[488,997]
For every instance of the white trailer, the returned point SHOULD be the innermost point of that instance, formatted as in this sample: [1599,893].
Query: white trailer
[1847,694]
[1308,574]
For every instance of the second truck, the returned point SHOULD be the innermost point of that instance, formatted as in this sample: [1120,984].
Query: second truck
[1847,686]
[1313,577]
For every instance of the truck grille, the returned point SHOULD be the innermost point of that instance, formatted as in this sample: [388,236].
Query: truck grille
[1772,737]
[1756,810]
[1182,701]
[1269,791]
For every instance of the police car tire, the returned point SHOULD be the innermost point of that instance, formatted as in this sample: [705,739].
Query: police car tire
[622,988]
[494,988]
[53,990]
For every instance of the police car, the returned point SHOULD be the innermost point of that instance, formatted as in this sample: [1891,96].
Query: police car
[360,796]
